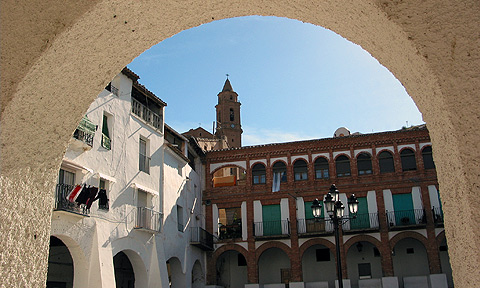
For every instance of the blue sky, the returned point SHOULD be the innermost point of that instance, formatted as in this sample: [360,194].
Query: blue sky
[295,80]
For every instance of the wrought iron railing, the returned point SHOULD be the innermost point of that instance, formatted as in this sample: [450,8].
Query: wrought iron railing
[106,142]
[406,218]
[61,202]
[272,228]
[146,114]
[201,238]
[307,226]
[148,219]
[437,215]
[230,231]
[363,221]
[85,131]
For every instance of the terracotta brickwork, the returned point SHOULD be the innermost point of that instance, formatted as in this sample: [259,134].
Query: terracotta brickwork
[398,182]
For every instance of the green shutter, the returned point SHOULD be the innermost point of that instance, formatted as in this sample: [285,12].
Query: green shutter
[362,220]
[272,224]
[309,212]
[403,206]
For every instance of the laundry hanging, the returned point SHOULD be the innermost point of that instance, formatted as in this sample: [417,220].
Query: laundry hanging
[72,195]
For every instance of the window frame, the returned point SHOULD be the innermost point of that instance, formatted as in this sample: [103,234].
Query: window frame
[385,162]
[409,161]
[259,174]
[300,171]
[319,166]
[368,169]
[338,162]
[427,158]
[280,167]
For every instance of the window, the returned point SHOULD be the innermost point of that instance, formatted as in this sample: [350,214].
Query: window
[300,170]
[342,164]
[408,160]
[280,170]
[428,158]
[180,218]
[364,164]
[321,168]
[103,194]
[232,115]
[106,141]
[230,216]
[258,173]
[385,161]
[322,254]
[66,177]
[364,271]
[144,160]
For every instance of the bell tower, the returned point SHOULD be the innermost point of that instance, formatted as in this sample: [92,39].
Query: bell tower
[228,116]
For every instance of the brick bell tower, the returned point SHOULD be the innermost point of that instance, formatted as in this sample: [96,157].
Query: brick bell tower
[228,116]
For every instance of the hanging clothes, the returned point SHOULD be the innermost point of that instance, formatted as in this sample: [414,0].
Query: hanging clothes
[83,196]
[72,196]
[92,194]
[102,199]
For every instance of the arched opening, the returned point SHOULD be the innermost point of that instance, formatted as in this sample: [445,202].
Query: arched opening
[408,160]
[428,158]
[321,168]
[342,166]
[410,259]
[418,78]
[60,265]
[385,161]
[258,174]
[231,269]
[176,277]
[364,164]
[124,274]
[364,264]
[229,175]
[198,277]
[300,170]
[318,265]
[274,267]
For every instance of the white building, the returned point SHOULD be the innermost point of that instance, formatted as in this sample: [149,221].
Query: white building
[143,226]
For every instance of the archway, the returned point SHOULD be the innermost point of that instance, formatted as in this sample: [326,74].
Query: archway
[409,259]
[176,277]
[319,258]
[60,265]
[124,274]
[231,269]
[364,262]
[420,55]
[198,277]
[273,266]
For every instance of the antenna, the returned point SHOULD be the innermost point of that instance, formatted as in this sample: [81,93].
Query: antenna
[227,75]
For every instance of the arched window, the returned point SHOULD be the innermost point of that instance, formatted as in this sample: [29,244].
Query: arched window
[258,173]
[428,158]
[281,169]
[342,164]
[232,115]
[385,161]
[364,164]
[321,168]
[408,160]
[300,170]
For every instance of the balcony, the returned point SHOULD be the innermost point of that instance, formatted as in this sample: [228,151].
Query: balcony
[437,216]
[312,227]
[147,115]
[406,219]
[363,222]
[62,204]
[201,239]
[231,231]
[85,133]
[225,181]
[272,229]
[148,220]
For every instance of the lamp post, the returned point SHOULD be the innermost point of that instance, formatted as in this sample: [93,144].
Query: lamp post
[335,210]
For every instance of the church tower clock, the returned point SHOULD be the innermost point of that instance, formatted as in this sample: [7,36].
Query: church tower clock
[228,116]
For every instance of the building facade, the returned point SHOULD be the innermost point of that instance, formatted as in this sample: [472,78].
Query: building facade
[128,200]
[268,235]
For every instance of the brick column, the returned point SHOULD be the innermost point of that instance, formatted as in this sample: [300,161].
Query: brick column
[385,249]
[396,159]
[375,165]
[311,169]
[252,269]
[331,167]
[432,247]
[269,173]
[353,165]
[295,257]
[290,176]
[418,157]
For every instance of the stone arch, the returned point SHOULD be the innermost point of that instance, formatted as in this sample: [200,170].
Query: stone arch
[440,237]
[64,34]
[408,234]
[279,160]
[271,244]
[80,264]
[176,274]
[316,241]
[226,166]
[141,278]
[214,265]
[366,238]
[227,247]
[198,276]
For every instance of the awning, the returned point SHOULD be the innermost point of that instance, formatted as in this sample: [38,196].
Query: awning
[106,177]
[141,187]
[75,166]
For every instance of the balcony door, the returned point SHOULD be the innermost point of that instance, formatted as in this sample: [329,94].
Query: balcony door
[362,220]
[403,206]
[272,224]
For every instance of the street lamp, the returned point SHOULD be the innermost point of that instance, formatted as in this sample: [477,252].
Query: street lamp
[335,210]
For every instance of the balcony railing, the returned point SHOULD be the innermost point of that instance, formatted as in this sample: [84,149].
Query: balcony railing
[272,228]
[231,231]
[314,226]
[437,215]
[148,220]
[146,114]
[406,218]
[62,204]
[106,142]
[201,238]
[363,221]
[85,131]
